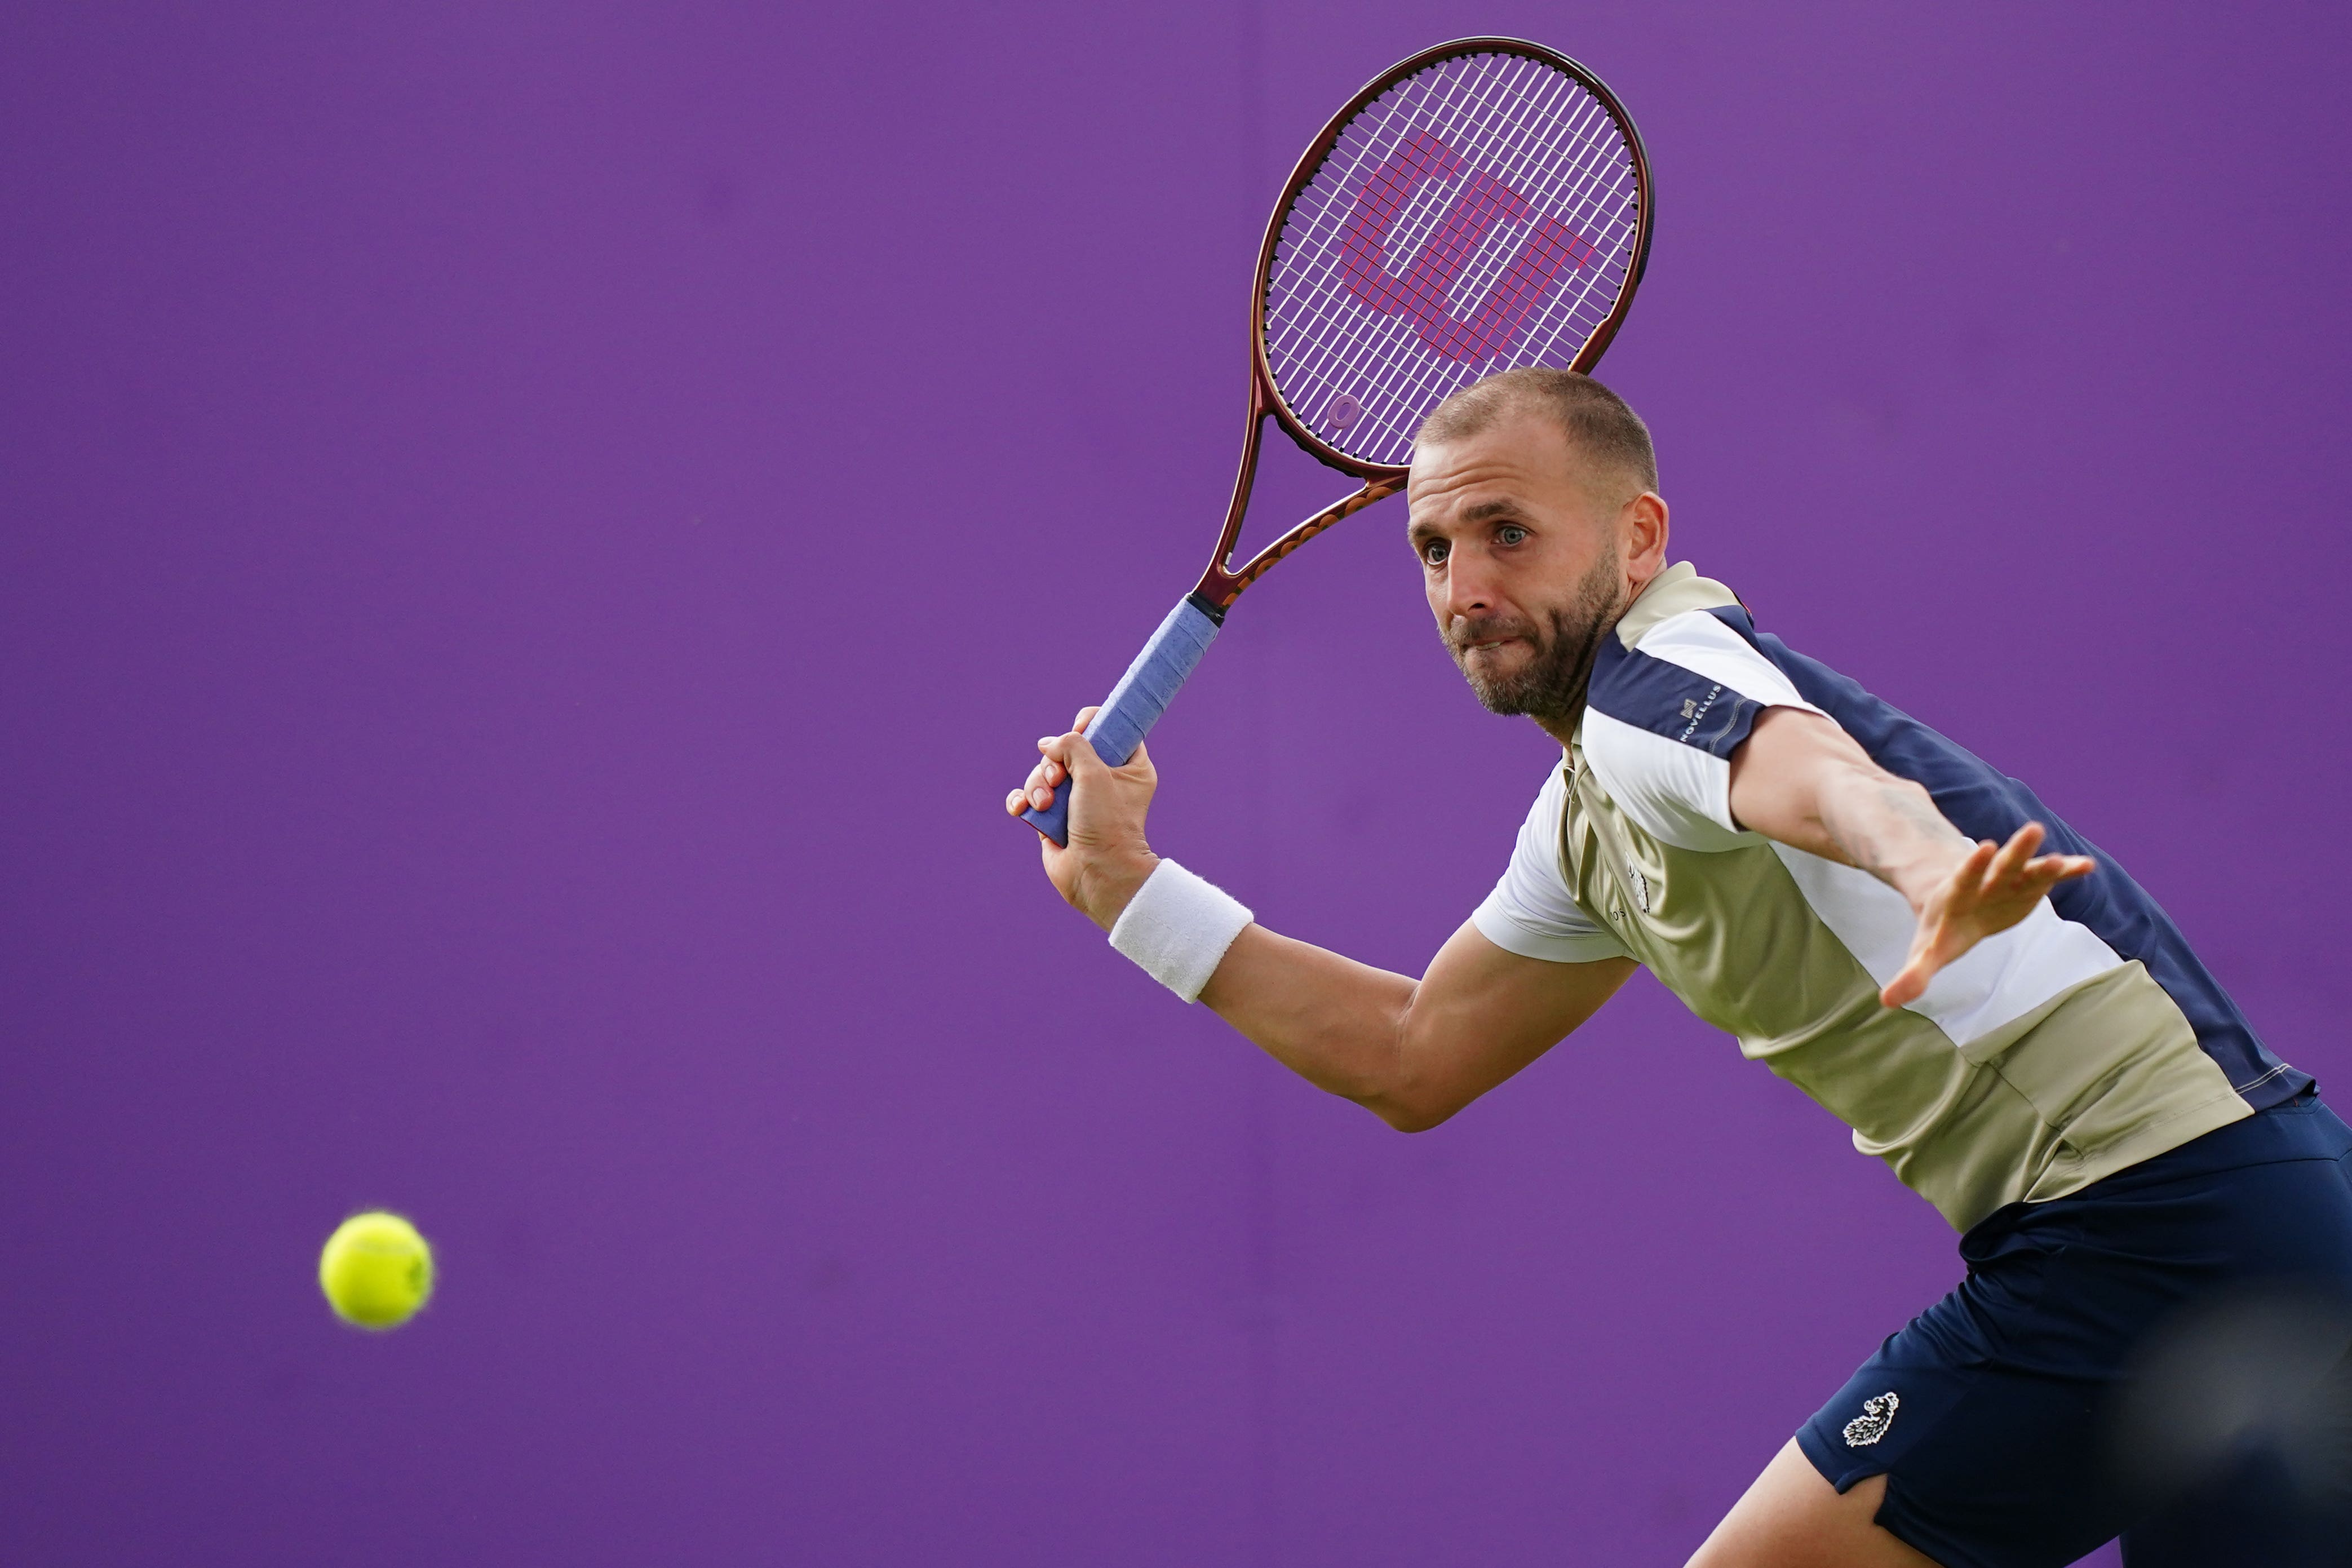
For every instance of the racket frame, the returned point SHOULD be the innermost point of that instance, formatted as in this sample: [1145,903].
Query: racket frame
[1222,582]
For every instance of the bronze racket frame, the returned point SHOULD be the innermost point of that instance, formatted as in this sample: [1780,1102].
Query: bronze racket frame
[1221,585]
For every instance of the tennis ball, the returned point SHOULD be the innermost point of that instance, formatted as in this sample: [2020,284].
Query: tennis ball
[376,1270]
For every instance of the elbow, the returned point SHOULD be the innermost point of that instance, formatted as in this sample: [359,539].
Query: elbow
[1412,1113]
[1415,1093]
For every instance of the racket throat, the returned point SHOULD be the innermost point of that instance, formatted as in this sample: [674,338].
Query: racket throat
[1220,586]
[1200,600]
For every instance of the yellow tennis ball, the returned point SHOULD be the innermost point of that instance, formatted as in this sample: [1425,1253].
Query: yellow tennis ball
[376,1270]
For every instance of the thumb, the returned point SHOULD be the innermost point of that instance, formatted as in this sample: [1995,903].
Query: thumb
[1076,754]
[1906,987]
[1910,981]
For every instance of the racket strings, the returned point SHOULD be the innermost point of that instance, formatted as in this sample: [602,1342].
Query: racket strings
[1478,215]
[1501,243]
[1458,342]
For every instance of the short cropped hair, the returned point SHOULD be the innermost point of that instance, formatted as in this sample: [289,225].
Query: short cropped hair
[1596,419]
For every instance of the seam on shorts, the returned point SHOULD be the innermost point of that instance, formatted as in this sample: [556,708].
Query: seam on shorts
[1841,1482]
[1844,1481]
[1875,1464]
[1889,1500]
[1932,1551]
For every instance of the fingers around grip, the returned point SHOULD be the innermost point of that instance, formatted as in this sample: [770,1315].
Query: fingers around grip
[1072,754]
[1036,792]
[1065,758]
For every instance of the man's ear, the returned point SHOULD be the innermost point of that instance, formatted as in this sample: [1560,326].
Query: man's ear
[1644,521]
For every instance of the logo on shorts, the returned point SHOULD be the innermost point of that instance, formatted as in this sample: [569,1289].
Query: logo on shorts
[1877,1415]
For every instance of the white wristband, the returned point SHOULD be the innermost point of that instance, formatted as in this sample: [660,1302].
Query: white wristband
[1178,928]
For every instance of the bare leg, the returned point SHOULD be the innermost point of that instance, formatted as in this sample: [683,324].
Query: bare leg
[1792,1519]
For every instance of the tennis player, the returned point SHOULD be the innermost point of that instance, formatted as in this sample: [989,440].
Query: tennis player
[1901,931]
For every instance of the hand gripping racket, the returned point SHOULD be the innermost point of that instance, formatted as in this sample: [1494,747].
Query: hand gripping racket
[1482,205]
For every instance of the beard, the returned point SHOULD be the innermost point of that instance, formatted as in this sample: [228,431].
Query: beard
[1550,688]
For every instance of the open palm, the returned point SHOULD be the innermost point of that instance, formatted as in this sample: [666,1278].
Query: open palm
[1990,890]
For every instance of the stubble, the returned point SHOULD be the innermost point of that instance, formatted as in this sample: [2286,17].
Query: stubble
[1550,688]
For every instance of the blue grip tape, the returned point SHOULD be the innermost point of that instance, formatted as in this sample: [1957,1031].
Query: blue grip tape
[1135,703]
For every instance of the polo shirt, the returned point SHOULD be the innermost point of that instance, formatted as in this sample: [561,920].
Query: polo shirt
[2078,1043]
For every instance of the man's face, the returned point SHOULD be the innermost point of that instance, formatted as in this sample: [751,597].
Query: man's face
[1520,556]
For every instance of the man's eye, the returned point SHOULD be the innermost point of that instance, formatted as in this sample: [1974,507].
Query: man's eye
[1510,533]
[1433,552]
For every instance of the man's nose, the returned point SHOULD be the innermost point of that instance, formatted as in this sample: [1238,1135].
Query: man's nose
[1467,590]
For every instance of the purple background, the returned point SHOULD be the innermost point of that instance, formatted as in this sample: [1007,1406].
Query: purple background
[536,538]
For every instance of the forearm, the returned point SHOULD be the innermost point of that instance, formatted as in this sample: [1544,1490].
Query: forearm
[1335,1022]
[1888,826]
[1799,779]
[1413,1052]
[1338,1024]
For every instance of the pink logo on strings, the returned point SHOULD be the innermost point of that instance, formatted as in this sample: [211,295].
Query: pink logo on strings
[1420,292]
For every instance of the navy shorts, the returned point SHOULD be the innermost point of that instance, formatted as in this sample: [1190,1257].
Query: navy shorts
[2012,1418]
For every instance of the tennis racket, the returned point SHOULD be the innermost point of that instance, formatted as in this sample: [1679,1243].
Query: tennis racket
[1481,205]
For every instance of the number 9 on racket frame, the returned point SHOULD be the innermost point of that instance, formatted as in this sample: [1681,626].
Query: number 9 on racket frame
[1481,206]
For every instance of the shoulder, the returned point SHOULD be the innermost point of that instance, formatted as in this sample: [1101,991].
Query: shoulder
[1676,688]
[1680,665]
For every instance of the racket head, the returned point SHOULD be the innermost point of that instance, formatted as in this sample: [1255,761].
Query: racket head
[1481,205]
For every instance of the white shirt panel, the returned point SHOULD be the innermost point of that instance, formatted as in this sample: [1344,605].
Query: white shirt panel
[1679,792]
[2002,978]
[1704,646]
[1531,912]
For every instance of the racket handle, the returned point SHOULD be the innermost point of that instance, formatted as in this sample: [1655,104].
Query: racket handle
[1135,703]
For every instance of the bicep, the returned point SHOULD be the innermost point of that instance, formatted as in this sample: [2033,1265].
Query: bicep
[1481,1013]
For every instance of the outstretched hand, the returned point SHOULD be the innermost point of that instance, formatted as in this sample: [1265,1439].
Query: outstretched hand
[1991,889]
[1106,857]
